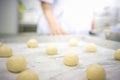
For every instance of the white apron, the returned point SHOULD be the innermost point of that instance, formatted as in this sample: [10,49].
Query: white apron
[73,19]
[43,26]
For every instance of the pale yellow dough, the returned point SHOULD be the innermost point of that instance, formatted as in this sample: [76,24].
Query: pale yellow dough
[5,51]
[51,50]
[73,42]
[16,63]
[91,47]
[32,43]
[117,55]
[95,72]
[71,59]
[27,75]
[1,44]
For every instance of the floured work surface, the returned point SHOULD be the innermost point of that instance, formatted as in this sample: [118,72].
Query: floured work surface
[50,67]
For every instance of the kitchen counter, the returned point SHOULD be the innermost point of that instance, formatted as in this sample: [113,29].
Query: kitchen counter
[52,67]
[101,41]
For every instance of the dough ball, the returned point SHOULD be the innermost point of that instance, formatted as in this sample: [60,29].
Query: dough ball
[91,47]
[73,42]
[32,43]
[16,64]
[117,55]
[71,59]
[5,51]
[95,72]
[51,50]
[27,75]
[1,44]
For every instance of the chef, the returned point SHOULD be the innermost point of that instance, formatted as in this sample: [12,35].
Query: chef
[52,21]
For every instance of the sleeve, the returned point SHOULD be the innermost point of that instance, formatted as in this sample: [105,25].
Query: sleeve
[48,1]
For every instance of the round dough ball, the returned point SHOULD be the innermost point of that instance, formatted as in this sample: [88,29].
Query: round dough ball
[5,51]
[117,55]
[95,72]
[91,47]
[1,44]
[16,63]
[27,75]
[71,59]
[51,50]
[73,42]
[32,43]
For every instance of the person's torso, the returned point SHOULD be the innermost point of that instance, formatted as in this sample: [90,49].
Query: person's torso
[58,8]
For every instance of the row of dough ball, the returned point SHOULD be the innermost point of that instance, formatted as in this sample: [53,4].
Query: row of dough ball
[33,43]
[93,72]
[90,47]
[52,50]
[18,64]
[6,51]
[73,59]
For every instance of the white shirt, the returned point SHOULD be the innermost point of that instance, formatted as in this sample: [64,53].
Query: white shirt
[43,26]
[77,16]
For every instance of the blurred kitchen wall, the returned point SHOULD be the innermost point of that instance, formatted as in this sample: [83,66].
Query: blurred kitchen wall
[106,13]
[29,14]
[8,16]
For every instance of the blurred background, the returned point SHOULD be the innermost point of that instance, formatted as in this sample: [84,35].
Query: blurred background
[21,16]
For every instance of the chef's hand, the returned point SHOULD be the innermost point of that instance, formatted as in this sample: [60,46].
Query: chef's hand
[57,31]
[51,19]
